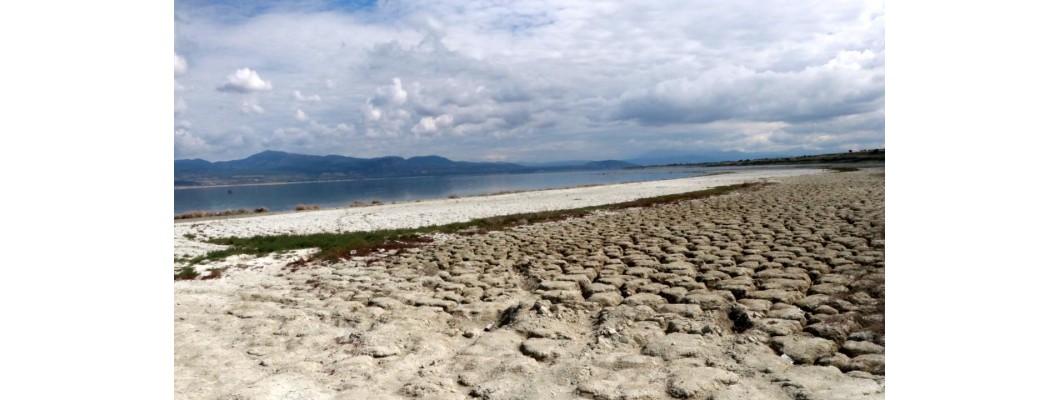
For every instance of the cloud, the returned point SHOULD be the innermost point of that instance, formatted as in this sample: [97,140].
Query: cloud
[244,80]
[186,144]
[297,95]
[179,106]
[301,116]
[180,65]
[850,83]
[391,95]
[372,113]
[535,80]
[251,107]
[431,125]
[461,96]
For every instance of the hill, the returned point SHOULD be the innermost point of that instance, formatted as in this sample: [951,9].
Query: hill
[277,166]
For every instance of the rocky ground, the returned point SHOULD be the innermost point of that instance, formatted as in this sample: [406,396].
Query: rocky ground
[775,293]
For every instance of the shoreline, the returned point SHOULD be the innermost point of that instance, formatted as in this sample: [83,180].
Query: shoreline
[442,211]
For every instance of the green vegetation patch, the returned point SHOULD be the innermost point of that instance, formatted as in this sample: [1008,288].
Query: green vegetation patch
[335,246]
[332,246]
[186,273]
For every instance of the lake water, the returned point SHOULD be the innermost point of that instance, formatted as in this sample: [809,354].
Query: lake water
[284,197]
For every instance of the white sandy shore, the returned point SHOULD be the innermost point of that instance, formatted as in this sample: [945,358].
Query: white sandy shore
[444,211]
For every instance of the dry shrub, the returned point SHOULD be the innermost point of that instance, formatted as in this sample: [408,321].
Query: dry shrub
[204,214]
[191,214]
[306,207]
[214,273]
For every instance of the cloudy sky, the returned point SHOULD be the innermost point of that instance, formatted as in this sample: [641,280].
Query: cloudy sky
[526,81]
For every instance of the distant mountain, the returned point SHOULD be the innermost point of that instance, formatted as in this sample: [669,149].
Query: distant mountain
[197,164]
[278,166]
[608,164]
[550,164]
[582,165]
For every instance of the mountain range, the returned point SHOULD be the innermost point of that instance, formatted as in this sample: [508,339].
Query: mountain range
[278,166]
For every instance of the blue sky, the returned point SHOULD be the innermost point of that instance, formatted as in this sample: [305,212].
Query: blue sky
[526,80]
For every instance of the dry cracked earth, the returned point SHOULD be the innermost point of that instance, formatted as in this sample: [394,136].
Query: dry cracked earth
[773,293]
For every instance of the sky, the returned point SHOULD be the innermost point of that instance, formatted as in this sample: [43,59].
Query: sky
[526,81]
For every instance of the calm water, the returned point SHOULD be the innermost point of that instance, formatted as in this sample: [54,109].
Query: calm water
[284,197]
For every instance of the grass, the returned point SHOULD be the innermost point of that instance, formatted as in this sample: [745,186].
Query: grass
[335,246]
[332,246]
[186,273]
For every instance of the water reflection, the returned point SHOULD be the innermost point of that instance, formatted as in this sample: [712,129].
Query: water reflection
[284,197]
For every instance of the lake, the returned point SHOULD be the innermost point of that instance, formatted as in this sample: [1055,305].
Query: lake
[284,197]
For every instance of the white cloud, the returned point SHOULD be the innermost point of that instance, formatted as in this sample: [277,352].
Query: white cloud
[301,116]
[297,95]
[251,107]
[544,78]
[431,125]
[179,106]
[180,65]
[850,83]
[391,95]
[426,125]
[187,144]
[244,80]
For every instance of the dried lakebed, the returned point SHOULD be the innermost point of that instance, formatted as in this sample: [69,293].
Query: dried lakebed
[773,293]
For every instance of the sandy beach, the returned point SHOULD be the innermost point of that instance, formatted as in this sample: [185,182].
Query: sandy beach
[768,293]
